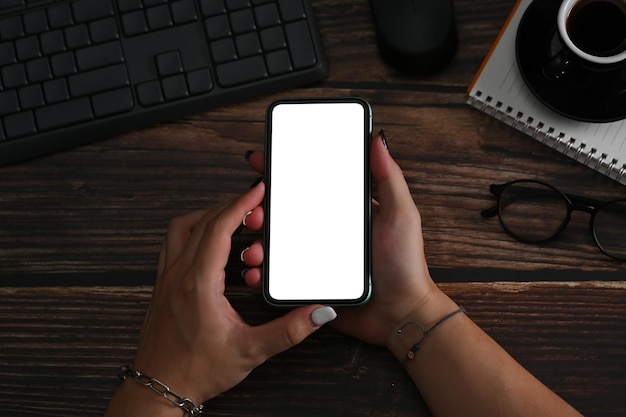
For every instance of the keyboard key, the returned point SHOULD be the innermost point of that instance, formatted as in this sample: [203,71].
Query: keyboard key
[11,28]
[174,87]
[129,5]
[300,44]
[150,93]
[103,30]
[242,21]
[184,11]
[9,103]
[212,7]
[199,81]
[52,42]
[95,81]
[273,38]
[60,16]
[27,48]
[278,62]
[38,70]
[218,27]
[88,10]
[31,97]
[241,71]
[63,114]
[77,36]
[56,91]
[20,124]
[159,17]
[98,56]
[14,76]
[134,23]
[113,102]
[237,4]
[63,64]
[169,63]
[35,22]
[291,9]
[223,50]
[248,44]
[11,5]
[267,15]
[7,54]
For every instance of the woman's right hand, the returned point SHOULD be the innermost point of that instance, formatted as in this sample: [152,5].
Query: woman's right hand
[402,286]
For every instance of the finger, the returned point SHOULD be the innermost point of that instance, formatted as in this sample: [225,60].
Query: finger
[285,332]
[252,277]
[254,219]
[257,161]
[252,256]
[393,191]
[179,233]
[215,243]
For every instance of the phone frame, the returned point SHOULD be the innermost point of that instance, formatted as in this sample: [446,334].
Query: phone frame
[367,204]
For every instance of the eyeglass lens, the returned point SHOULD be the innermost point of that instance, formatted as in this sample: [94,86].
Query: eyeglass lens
[609,228]
[532,212]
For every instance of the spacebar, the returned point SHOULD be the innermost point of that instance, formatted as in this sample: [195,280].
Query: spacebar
[63,114]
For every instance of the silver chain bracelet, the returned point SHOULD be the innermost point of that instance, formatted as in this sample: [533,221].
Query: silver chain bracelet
[416,346]
[187,405]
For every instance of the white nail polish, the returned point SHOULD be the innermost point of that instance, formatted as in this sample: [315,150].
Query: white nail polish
[323,315]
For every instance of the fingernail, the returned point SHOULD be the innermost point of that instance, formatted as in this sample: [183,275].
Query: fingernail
[247,155]
[244,272]
[323,315]
[257,182]
[384,138]
[242,252]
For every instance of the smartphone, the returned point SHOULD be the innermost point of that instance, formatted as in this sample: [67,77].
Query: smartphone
[317,230]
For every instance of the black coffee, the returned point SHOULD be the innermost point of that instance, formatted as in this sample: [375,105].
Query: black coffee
[598,27]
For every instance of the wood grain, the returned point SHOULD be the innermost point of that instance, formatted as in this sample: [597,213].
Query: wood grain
[105,207]
[60,349]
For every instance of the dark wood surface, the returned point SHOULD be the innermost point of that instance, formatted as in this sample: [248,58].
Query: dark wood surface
[94,217]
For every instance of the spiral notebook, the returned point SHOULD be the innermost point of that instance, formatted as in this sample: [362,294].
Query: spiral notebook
[499,90]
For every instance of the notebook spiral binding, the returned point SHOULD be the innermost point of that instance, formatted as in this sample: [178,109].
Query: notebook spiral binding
[571,147]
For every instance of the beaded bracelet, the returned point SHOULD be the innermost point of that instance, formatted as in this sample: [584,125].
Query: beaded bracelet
[416,346]
[188,406]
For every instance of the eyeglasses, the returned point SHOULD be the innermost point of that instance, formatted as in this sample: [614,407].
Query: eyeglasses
[533,212]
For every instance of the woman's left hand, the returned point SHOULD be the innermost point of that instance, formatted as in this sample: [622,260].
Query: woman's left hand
[192,339]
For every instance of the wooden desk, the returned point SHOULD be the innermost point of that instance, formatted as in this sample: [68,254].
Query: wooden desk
[94,217]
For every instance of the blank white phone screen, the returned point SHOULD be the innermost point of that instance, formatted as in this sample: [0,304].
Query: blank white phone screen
[317,235]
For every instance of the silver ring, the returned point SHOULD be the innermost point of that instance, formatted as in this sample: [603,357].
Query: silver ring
[245,217]
[242,252]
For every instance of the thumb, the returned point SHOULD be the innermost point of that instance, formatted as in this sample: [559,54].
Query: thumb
[285,332]
[393,192]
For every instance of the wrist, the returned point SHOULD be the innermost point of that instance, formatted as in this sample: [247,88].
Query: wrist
[134,400]
[430,311]
[141,394]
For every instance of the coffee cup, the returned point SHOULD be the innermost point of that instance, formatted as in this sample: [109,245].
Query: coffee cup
[592,34]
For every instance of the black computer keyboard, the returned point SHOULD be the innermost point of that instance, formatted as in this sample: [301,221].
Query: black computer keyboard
[72,72]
